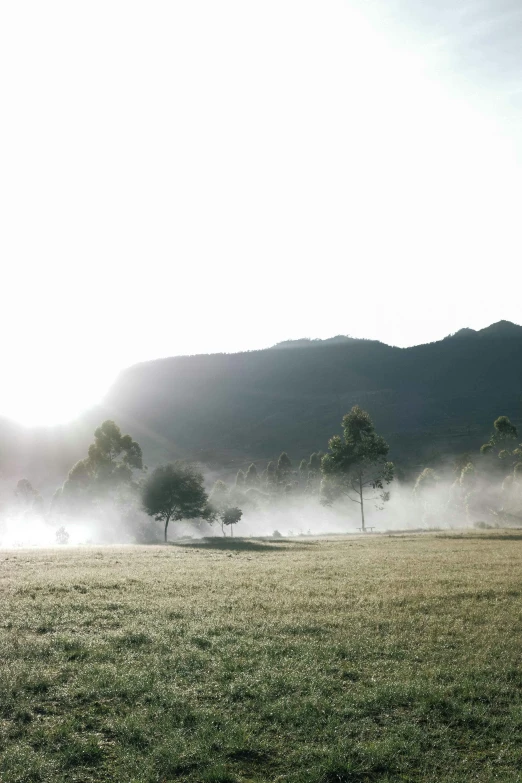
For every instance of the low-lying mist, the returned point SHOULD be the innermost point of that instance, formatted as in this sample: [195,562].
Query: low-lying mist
[438,500]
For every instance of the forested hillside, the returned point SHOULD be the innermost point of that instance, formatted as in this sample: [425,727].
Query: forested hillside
[229,409]
[427,400]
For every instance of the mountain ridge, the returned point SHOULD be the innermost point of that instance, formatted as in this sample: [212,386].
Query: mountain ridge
[226,410]
[497,329]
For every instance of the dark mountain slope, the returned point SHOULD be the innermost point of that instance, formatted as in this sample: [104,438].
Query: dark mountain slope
[431,398]
[228,409]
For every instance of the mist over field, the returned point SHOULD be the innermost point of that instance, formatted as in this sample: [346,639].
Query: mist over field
[444,502]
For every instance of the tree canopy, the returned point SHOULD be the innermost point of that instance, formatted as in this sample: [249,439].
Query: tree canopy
[110,462]
[230,517]
[356,462]
[502,441]
[26,493]
[175,491]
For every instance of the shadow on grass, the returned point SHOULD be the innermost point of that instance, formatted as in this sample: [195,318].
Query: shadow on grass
[242,544]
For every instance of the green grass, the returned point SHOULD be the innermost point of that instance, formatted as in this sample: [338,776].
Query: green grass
[342,661]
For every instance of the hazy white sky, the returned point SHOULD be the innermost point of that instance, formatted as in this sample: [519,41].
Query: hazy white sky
[197,176]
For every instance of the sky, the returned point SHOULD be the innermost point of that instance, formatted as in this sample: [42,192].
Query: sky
[195,176]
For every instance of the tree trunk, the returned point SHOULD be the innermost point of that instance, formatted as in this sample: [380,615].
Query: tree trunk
[362,503]
[232,530]
[223,529]
[166,526]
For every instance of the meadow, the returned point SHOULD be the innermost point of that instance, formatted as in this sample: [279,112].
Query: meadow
[340,660]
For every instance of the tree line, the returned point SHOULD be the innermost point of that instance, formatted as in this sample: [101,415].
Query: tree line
[355,468]
[486,485]
[113,480]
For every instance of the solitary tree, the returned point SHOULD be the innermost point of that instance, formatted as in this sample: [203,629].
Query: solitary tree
[356,463]
[230,517]
[175,491]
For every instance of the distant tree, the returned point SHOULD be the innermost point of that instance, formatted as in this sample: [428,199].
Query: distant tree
[230,517]
[26,494]
[502,442]
[458,496]
[425,491]
[254,498]
[314,463]
[62,536]
[460,463]
[109,465]
[426,480]
[271,476]
[251,478]
[79,483]
[311,484]
[512,495]
[284,469]
[303,472]
[468,482]
[175,491]
[221,503]
[240,480]
[356,463]
[314,473]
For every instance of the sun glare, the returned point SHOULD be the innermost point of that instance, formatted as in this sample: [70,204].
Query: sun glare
[52,398]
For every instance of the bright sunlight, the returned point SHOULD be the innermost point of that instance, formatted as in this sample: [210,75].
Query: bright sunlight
[38,394]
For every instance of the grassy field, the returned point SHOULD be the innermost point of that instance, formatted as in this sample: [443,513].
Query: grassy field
[334,661]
